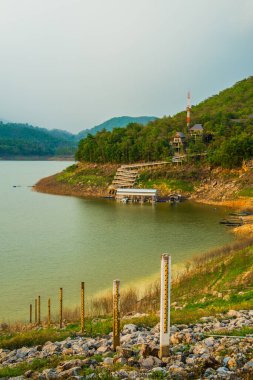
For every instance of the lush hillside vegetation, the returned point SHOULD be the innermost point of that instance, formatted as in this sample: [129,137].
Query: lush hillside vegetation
[115,122]
[18,140]
[25,140]
[227,119]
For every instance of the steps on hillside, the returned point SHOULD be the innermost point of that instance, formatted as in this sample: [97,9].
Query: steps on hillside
[126,175]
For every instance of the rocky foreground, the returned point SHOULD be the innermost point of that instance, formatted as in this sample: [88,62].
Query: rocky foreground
[196,353]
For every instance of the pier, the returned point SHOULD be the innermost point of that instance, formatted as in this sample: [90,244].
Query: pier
[136,195]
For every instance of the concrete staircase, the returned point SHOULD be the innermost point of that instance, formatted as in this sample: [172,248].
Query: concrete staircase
[125,177]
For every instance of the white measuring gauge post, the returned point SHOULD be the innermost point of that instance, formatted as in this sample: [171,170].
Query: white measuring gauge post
[165,306]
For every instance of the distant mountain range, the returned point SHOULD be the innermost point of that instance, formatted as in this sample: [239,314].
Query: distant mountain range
[23,140]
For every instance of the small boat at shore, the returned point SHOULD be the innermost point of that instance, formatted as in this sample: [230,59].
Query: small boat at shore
[232,222]
[241,213]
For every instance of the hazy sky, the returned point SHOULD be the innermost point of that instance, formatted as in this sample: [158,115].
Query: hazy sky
[72,64]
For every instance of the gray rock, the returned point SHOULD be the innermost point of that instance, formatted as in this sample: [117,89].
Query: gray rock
[209,372]
[221,370]
[108,361]
[103,349]
[249,364]
[131,328]
[50,374]
[28,374]
[69,373]
[126,338]
[147,362]
[209,342]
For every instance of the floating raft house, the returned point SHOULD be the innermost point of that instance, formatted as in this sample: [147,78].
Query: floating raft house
[136,195]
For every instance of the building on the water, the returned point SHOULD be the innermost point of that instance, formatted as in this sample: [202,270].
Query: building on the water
[136,195]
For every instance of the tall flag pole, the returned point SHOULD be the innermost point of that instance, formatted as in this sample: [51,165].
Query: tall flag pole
[188,111]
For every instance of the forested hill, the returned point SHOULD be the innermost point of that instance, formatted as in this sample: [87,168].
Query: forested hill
[116,122]
[232,103]
[227,119]
[23,140]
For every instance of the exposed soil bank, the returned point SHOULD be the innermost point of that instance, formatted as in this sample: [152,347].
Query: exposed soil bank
[50,185]
[81,180]
[217,187]
[221,187]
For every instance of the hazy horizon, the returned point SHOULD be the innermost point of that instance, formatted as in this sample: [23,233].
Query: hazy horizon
[73,64]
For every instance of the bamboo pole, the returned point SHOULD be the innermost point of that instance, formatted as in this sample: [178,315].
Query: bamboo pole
[165,306]
[31,315]
[60,311]
[35,312]
[82,307]
[116,314]
[39,316]
[48,312]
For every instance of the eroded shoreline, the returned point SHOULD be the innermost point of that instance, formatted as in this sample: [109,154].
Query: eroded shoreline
[217,188]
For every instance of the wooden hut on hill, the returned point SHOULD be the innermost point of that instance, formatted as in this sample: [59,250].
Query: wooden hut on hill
[197,131]
[178,143]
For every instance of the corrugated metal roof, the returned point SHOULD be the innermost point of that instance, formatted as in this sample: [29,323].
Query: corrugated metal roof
[137,191]
[180,134]
[197,127]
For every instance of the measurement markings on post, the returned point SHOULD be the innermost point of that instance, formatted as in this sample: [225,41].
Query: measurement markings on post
[116,314]
[166,295]
[165,306]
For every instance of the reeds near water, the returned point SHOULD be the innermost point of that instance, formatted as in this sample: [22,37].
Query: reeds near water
[147,299]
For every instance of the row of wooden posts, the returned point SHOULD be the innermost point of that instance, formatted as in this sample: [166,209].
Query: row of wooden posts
[164,308]
[37,309]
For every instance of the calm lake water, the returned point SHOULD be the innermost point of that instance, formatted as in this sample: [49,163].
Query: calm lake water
[50,241]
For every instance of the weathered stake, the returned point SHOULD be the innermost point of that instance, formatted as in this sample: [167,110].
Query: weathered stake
[116,314]
[165,306]
[82,307]
[35,312]
[48,312]
[39,319]
[31,313]
[60,311]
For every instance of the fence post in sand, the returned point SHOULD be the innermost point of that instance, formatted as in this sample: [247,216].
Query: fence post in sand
[116,314]
[82,307]
[31,313]
[48,312]
[165,306]
[35,312]
[39,319]
[60,311]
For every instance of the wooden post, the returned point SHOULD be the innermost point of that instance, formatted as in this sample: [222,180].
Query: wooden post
[48,312]
[165,306]
[116,314]
[60,311]
[31,313]
[39,319]
[82,307]
[35,312]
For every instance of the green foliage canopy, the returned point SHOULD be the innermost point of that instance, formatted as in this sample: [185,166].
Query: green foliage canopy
[227,119]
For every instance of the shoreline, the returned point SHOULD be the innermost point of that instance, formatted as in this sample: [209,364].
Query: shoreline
[49,185]
[38,158]
[203,195]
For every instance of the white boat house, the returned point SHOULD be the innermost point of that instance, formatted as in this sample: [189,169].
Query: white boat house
[136,195]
